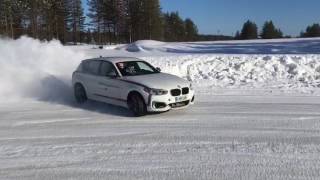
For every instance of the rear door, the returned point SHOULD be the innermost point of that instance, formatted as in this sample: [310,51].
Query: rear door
[90,77]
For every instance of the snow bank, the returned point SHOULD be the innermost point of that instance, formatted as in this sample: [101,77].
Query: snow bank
[143,46]
[284,72]
[41,70]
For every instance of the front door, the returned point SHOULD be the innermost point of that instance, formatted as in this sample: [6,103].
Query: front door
[109,89]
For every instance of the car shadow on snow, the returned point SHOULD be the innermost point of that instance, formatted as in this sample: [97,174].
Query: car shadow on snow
[103,108]
[56,91]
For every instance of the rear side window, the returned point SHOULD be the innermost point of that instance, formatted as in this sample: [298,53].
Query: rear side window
[91,67]
[107,69]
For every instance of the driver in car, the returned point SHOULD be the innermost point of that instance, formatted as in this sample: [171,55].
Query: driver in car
[121,67]
[125,69]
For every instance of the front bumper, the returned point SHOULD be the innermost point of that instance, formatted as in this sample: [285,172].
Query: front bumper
[166,102]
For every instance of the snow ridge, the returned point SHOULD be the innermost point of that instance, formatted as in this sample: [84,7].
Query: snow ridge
[234,71]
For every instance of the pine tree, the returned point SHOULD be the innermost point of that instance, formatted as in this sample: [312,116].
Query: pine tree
[279,33]
[59,19]
[145,19]
[191,30]
[47,18]
[249,30]
[95,14]
[312,31]
[76,19]
[7,12]
[237,36]
[110,21]
[174,27]
[135,16]
[122,26]
[108,18]
[153,19]
[34,13]
[269,31]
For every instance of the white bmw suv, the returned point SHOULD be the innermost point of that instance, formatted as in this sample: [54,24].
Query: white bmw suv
[131,83]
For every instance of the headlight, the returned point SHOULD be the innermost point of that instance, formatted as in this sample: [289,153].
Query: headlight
[191,87]
[157,92]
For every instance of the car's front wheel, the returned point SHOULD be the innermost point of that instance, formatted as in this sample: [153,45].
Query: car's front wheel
[80,94]
[136,105]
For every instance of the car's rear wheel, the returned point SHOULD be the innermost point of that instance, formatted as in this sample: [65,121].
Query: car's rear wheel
[80,94]
[136,105]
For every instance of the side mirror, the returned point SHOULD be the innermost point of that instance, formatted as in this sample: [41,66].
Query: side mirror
[158,69]
[112,75]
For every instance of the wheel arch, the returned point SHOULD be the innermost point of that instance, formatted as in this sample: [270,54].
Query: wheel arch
[142,106]
[78,83]
[145,99]
[132,92]
[81,84]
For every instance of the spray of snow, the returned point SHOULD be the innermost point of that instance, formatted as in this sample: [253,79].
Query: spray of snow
[33,69]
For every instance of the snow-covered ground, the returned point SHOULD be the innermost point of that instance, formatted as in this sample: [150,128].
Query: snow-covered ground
[256,115]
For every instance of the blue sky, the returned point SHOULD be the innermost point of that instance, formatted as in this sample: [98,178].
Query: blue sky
[227,16]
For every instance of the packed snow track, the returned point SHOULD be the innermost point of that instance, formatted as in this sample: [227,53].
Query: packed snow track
[223,137]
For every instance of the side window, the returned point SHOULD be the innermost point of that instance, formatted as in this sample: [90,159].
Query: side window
[144,67]
[107,69]
[85,67]
[94,67]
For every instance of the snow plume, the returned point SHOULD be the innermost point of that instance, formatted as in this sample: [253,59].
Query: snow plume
[33,69]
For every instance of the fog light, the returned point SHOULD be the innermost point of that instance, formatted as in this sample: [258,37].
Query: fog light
[159,105]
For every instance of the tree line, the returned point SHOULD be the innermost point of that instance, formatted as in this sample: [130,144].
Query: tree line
[113,21]
[122,21]
[108,21]
[42,19]
[250,31]
[269,31]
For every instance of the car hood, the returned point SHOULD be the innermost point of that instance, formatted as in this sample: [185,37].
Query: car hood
[159,81]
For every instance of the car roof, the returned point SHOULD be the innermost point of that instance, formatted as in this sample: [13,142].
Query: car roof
[115,59]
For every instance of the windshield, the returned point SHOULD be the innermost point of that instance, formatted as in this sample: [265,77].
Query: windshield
[135,68]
